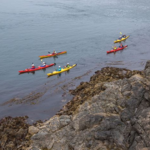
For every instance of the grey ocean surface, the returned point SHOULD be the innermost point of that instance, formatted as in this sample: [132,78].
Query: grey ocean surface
[86,29]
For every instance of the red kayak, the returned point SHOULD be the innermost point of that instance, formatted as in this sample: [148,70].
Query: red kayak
[118,49]
[38,68]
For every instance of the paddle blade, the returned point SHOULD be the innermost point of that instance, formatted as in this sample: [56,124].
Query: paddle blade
[41,59]
[120,33]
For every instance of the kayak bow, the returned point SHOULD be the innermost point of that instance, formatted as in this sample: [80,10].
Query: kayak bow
[119,40]
[51,55]
[118,49]
[38,68]
[62,70]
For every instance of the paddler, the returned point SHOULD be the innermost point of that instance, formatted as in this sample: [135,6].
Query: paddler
[32,66]
[124,36]
[54,52]
[67,66]
[115,47]
[121,46]
[43,64]
[59,68]
[120,38]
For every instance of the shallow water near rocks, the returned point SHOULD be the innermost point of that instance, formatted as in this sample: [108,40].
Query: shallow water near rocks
[85,29]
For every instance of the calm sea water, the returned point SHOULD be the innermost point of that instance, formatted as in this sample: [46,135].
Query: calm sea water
[86,29]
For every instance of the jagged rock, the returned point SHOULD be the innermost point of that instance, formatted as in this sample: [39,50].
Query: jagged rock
[102,114]
[33,130]
[110,112]
[10,145]
[147,65]
[147,68]
[13,132]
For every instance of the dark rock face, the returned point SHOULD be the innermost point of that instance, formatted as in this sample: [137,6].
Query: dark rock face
[13,133]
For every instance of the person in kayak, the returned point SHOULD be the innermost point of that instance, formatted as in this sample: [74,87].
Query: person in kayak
[115,47]
[120,38]
[43,64]
[59,68]
[124,36]
[32,66]
[67,66]
[54,52]
[121,45]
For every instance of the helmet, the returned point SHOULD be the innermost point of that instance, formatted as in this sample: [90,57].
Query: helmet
[59,66]
[68,63]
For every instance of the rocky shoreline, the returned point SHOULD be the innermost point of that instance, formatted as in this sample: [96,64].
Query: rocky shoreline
[110,112]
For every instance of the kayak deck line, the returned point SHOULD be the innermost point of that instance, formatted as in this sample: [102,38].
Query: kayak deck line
[52,55]
[115,50]
[123,39]
[38,68]
[62,70]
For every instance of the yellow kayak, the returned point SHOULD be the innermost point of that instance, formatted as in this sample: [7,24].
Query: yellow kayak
[62,70]
[119,40]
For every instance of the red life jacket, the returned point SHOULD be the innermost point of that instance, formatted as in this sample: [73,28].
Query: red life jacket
[33,67]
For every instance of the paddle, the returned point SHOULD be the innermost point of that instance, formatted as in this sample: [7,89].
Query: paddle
[121,37]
